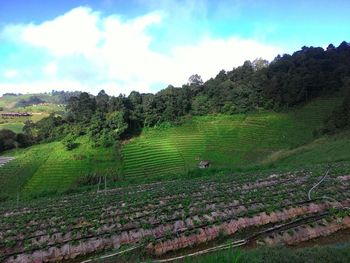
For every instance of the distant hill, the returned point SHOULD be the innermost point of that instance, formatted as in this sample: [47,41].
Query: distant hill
[41,105]
[11,101]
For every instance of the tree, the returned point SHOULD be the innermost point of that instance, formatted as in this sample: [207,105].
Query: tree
[7,140]
[80,109]
[195,80]
[69,142]
[116,124]
[87,107]
[102,100]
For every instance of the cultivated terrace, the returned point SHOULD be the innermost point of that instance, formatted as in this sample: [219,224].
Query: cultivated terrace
[164,217]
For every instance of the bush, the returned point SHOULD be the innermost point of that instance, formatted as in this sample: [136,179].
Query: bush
[7,140]
[69,142]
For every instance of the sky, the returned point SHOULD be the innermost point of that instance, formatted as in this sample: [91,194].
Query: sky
[146,45]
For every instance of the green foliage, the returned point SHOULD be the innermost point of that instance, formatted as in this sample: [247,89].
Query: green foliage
[33,100]
[340,118]
[10,140]
[69,142]
[81,108]
[49,167]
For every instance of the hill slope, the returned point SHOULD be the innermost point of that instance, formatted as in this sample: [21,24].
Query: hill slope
[51,168]
[9,103]
[236,141]
[226,141]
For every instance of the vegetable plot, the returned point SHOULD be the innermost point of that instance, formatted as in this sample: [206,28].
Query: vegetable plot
[169,216]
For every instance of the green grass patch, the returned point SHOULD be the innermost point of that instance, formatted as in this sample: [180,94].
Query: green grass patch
[50,168]
[236,141]
[16,127]
[327,149]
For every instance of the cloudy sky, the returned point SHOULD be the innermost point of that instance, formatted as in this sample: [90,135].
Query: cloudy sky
[145,45]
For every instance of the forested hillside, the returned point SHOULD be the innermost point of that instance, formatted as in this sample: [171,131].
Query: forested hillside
[287,81]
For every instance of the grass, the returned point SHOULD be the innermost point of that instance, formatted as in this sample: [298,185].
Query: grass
[50,168]
[16,124]
[226,141]
[16,127]
[327,149]
[250,143]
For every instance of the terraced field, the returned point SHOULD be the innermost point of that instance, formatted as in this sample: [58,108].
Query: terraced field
[155,220]
[226,141]
[49,168]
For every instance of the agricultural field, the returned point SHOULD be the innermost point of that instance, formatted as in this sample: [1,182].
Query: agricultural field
[226,141]
[267,186]
[50,168]
[238,142]
[158,222]
[185,132]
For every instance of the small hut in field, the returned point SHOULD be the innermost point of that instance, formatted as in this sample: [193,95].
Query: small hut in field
[203,164]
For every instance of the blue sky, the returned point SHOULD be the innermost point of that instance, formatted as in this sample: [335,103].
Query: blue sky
[145,45]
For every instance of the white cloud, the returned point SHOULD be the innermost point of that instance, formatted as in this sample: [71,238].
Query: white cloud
[10,73]
[50,68]
[75,32]
[89,51]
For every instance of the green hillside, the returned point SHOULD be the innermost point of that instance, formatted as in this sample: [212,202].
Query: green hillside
[9,102]
[16,124]
[326,150]
[17,127]
[51,168]
[226,141]
[40,111]
[236,141]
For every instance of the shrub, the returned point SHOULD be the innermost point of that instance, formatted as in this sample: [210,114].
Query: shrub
[69,142]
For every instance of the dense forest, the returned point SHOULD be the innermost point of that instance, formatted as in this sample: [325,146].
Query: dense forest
[287,81]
